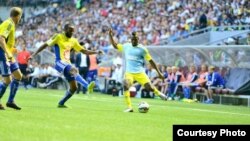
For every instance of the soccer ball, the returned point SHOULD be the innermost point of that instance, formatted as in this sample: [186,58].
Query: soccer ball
[143,107]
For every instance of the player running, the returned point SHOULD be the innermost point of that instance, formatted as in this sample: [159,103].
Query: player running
[8,65]
[135,54]
[63,43]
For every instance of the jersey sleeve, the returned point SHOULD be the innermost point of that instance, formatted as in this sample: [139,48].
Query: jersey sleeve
[147,56]
[52,41]
[77,47]
[120,47]
[5,29]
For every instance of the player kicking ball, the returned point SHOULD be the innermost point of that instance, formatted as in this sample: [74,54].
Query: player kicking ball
[62,44]
[135,54]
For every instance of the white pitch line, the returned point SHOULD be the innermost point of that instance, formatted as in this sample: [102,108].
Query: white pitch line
[205,110]
[91,98]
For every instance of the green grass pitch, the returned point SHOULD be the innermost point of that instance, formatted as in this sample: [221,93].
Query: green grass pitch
[99,117]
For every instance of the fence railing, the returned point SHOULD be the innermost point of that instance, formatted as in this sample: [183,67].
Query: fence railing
[208,29]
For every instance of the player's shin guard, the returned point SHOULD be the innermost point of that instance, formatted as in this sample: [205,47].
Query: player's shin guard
[81,81]
[3,88]
[127,99]
[67,96]
[13,89]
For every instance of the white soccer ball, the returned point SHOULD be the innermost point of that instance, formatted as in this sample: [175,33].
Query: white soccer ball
[143,107]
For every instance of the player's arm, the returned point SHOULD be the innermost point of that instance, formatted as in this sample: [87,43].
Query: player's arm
[153,64]
[148,57]
[4,33]
[41,48]
[81,49]
[111,39]
[89,52]
[50,42]
[3,46]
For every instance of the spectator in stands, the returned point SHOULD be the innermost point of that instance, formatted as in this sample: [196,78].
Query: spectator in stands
[33,77]
[190,82]
[44,73]
[53,77]
[94,61]
[203,20]
[177,77]
[118,77]
[214,81]
[167,80]
[201,81]
[171,20]
[159,83]
[151,73]
[23,59]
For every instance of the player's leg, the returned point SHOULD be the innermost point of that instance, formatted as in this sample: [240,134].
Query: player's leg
[5,71]
[143,79]
[17,77]
[127,83]
[3,87]
[73,71]
[68,94]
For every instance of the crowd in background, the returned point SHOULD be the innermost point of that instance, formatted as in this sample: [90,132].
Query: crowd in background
[154,20]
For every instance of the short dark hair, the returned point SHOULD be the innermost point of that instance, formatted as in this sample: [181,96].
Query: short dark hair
[67,25]
[15,11]
[134,33]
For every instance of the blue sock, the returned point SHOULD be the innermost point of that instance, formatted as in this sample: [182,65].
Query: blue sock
[67,96]
[13,89]
[3,88]
[82,81]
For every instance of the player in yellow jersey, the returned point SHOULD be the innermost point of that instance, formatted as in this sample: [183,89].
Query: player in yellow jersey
[135,54]
[62,44]
[8,65]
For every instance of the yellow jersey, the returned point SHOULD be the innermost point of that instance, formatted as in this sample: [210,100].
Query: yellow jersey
[7,30]
[62,45]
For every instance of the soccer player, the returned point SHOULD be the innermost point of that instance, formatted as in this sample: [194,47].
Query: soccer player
[63,43]
[8,65]
[135,54]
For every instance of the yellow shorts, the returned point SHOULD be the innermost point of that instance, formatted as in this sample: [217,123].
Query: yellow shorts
[141,78]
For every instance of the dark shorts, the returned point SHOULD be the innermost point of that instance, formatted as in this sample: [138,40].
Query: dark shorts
[23,68]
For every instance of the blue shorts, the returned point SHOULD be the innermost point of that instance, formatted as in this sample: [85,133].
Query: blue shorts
[64,68]
[7,68]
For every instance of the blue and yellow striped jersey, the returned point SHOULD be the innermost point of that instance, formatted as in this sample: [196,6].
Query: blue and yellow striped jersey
[63,45]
